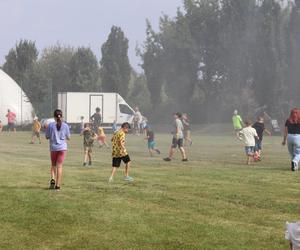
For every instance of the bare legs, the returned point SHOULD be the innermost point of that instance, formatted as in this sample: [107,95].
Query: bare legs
[56,174]
[182,151]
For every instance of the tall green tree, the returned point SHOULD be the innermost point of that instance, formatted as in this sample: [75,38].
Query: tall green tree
[152,55]
[19,65]
[115,66]
[84,71]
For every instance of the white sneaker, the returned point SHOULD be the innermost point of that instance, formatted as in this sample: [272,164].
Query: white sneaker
[110,179]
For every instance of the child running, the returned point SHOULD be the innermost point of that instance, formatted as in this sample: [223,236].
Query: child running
[237,123]
[1,126]
[259,126]
[57,133]
[88,142]
[36,129]
[151,141]
[102,138]
[177,140]
[119,152]
[248,136]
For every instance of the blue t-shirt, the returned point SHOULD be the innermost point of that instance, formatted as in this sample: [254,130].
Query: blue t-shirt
[57,138]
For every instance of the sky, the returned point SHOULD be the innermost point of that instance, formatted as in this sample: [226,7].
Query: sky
[79,22]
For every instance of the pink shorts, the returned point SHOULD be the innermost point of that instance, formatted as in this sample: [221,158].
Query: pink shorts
[58,157]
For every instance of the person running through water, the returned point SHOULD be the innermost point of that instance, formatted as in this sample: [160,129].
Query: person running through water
[119,153]
[248,135]
[96,119]
[36,129]
[151,141]
[89,136]
[186,130]
[237,123]
[57,133]
[259,126]
[177,140]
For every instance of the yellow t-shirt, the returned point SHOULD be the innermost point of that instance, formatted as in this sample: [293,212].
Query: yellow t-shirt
[36,127]
[117,140]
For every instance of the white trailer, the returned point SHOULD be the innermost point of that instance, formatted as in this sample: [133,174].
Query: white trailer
[75,105]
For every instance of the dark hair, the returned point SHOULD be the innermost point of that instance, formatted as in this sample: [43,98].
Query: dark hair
[179,115]
[98,110]
[86,125]
[58,116]
[126,125]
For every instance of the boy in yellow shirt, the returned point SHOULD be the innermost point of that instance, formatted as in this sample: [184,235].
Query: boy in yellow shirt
[119,152]
[36,129]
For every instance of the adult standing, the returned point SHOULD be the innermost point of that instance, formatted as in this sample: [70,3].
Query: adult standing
[186,129]
[137,119]
[57,133]
[237,123]
[11,119]
[96,119]
[292,137]
[177,140]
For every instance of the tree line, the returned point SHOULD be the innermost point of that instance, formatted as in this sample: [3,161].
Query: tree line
[210,58]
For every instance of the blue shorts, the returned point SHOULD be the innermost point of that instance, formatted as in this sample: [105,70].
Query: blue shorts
[258,145]
[249,150]
[151,144]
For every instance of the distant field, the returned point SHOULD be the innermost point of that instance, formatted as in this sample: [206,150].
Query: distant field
[214,201]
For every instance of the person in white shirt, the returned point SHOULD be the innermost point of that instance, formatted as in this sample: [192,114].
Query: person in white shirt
[248,135]
[292,234]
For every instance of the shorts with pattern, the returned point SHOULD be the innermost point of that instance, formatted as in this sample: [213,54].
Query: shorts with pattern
[249,150]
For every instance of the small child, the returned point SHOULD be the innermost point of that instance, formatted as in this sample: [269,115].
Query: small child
[36,129]
[248,136]
[151,141]
[119,152]
[88,142]
[1,126]
[259,126]
[102,137]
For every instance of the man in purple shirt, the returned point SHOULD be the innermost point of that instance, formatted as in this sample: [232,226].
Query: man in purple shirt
[57,133]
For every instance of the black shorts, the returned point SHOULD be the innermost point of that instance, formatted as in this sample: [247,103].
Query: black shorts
[116,161]
[177,143]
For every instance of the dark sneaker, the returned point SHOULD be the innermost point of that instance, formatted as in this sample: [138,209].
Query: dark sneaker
[52,184]
[157,151]
[185,159]
[167,159]
[57,188]
[84,164]
[191,143]
[90,163]
[293,166]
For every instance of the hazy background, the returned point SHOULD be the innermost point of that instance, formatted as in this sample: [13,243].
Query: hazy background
[73,23]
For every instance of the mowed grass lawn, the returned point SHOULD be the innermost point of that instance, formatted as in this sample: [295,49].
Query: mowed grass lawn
[214,201]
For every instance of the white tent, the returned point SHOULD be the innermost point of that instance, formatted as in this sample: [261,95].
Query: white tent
[13,98]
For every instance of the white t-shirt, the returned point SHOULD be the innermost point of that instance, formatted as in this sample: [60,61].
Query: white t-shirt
[293,234]
[247,135]
[178,126]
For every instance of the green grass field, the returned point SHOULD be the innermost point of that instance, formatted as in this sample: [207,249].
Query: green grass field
[214,201]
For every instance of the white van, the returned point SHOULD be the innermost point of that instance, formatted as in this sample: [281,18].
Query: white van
[75,105]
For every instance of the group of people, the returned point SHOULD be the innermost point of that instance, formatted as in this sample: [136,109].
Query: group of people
[58,133]
[251,134]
